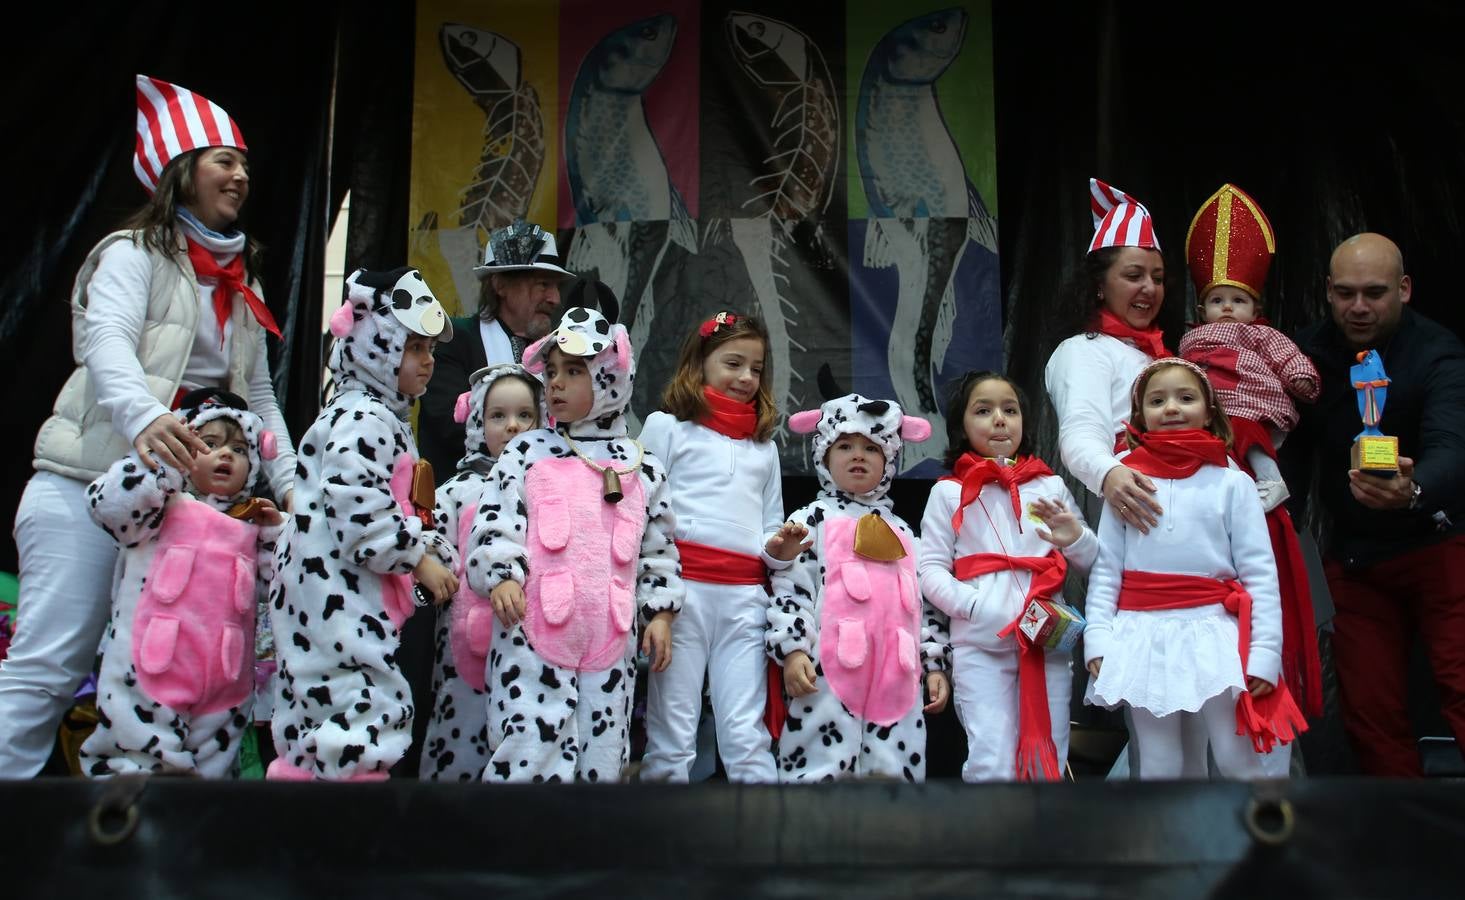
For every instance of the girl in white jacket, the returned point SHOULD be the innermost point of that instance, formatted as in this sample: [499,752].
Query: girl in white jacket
[726,490]
[984,558]
[1184,621]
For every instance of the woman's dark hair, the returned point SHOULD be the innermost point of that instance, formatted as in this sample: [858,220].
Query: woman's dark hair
[157,219]
[956,404]
[1078,301]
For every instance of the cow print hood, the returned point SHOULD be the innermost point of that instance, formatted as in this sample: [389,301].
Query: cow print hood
[380,310]
[469,411]
[584,332]
[880,420]
[200,407]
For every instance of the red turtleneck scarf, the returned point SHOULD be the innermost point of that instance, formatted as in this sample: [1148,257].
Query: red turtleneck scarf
[728,416]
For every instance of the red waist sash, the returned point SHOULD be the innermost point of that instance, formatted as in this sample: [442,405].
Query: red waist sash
[1267,720]
[713,565]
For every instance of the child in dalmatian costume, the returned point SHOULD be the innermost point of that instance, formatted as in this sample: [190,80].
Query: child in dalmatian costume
[854,592]
[173,696]
[568,552]
[343,709]
[456,747]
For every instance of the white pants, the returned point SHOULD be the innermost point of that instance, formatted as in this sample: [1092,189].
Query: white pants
[66,571]
[1169,747]
[985,690]
[719,634]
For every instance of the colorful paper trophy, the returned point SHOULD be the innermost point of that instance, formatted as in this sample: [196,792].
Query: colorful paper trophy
[1373,451]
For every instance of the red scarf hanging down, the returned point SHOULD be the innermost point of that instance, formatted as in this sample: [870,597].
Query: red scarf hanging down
[1037,758]
[1151,340]
[1175,454]
[728,416]
[974,472]
[228,281]
[1300,663]
[1266,720]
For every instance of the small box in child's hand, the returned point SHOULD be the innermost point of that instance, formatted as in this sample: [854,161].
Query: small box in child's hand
[1051,625]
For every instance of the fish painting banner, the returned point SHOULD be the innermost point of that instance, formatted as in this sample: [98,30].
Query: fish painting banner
[830,169]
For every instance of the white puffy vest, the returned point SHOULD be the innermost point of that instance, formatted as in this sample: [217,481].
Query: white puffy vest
[78,440]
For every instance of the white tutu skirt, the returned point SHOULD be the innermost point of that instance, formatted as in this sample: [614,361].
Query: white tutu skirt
[1169,661]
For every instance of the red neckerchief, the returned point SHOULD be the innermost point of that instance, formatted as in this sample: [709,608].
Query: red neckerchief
[1175,454]
[1150,340]
[975,471]
[728,416]
[228,281]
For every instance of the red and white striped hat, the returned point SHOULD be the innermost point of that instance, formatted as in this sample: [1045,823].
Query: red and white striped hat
[1119,219]
[172,121]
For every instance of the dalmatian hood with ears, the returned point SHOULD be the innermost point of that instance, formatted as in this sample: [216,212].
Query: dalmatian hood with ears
[380,311]
[205,405]
[586,333]
[469,411]
[881,420]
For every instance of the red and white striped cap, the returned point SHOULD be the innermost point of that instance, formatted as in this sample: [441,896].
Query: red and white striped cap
[1119,219]
[172,121]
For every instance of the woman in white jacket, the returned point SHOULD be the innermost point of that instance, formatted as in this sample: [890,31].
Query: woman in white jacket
[159,308]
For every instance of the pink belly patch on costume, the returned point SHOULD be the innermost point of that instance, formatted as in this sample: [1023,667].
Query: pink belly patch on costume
[869,627]
[583,551]
[397,597]
[470,619]
[193,630]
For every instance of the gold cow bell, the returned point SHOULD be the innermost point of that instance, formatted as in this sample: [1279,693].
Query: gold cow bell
[875,540]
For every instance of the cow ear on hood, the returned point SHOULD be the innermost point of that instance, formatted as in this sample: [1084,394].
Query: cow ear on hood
[805,421]
[914,429]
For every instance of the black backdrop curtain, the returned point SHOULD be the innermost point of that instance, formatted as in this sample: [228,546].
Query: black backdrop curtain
[1335,121]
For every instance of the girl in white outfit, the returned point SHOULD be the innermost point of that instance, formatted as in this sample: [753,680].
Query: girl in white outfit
[984,557]
[726,491]
[1184,620]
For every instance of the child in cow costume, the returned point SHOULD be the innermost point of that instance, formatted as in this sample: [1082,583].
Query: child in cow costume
[361,533]
[846,620]
[178,673]
[572,538]
[501,402]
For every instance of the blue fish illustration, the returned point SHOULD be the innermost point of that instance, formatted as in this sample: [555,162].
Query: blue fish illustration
[923,209]
[627,211]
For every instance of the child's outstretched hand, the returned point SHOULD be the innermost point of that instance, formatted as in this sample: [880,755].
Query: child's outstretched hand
[656,640]
[508,602]
[1094,666]
[798,675]
[788,542]
[939,690]
[1063,526]
[437,578]
[1257,687]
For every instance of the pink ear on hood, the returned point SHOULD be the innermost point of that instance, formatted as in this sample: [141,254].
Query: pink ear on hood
[342,320]
[623,348]
[804,422]
[534,363]
[269,448]
[914,429]
[460,408]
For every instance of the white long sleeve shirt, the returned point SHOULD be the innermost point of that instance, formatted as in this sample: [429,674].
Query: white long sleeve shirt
[1089,380]
[726,493]
[991,601]
[1213,526]
[115,314]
